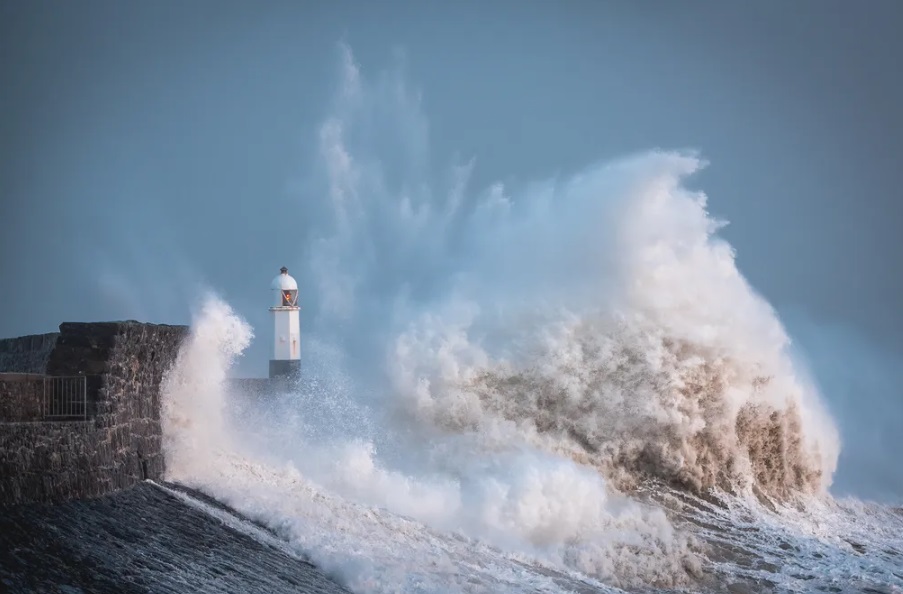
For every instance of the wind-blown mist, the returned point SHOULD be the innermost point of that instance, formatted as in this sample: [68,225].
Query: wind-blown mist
[513,364]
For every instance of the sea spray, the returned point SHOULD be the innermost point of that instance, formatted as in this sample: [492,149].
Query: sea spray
[678,371]
[600,314]
[539,507]
[525,356]
[194,414]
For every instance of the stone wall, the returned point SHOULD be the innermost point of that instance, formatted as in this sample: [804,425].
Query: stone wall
[26,354]
[21,397]
[120,444]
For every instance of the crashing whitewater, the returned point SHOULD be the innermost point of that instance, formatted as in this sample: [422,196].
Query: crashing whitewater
[567,387]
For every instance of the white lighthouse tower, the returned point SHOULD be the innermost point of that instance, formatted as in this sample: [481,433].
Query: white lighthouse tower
[286,361]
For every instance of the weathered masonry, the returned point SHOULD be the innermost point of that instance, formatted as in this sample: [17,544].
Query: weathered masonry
[80,409]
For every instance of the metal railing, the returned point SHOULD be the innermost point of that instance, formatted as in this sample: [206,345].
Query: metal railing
[66,397]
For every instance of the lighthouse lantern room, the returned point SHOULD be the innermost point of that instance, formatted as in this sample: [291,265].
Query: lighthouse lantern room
[286,361]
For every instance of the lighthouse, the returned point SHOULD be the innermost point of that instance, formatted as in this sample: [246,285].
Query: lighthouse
[286,361]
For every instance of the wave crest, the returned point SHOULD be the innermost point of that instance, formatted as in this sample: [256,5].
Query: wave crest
[687,432]
[669,367]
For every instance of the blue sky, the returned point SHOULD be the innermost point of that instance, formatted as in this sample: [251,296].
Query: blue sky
[150,147]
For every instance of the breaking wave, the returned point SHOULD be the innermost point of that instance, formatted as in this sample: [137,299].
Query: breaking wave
[674,369]
[319,492]
[599,316]
[194,412]
[516,363]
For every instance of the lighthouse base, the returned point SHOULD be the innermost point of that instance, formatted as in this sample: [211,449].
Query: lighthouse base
[287,369]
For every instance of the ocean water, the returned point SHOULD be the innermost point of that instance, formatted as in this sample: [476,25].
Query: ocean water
[567,386]
[462,512]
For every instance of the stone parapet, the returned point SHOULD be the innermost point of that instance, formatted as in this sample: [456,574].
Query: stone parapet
[26,354]
[120,442]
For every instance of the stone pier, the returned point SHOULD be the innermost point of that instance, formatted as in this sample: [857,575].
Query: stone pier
[114,441]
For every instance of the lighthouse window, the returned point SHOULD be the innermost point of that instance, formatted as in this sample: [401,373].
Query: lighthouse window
[289,298]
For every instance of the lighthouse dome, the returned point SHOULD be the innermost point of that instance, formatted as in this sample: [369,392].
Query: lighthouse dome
[284,282]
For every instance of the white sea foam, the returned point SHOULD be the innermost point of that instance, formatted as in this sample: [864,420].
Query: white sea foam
[528,504]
